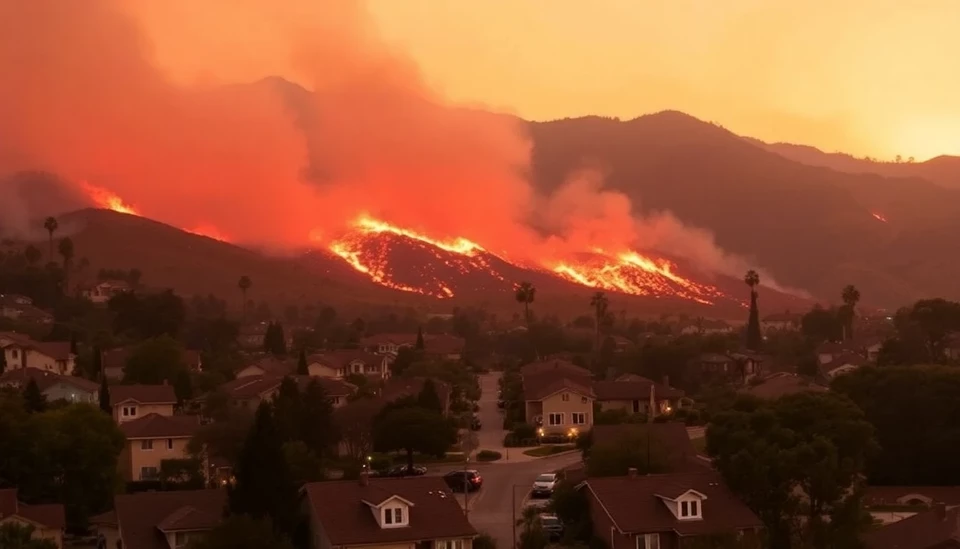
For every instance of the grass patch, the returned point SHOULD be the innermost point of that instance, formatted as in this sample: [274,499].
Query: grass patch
[549,450]
[700,445]
[422,459]
[488,455]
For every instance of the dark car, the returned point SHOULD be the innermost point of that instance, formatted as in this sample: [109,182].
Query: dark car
[460,481]
[551,525]
[404,471]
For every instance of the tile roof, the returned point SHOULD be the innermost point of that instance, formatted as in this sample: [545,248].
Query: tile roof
[140,515]
[257,386]
[347,520]
[633,390]
[142,394]
[48,515]
[20,377]
[634,504]
[932,529]
[157,426]
[342,357]
[668,439]
[540,386]
[780,384]
[117,358]
[57,350]
[274,366]
[555,367]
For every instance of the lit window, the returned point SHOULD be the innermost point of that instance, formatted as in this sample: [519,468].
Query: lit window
[555,419]
[146,445]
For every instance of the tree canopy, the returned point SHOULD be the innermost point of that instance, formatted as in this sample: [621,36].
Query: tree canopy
[155,361]
[413,429]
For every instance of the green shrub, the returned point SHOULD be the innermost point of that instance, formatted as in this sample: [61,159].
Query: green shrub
[524,430]
[484,541]
[488,455]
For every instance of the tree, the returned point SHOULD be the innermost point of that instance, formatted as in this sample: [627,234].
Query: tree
[850,296]
[150,316]
[525,294]
[3,362]
[242,532]
[155,361]
[66,251]
[50,224]
[355,422]
[820,325]
[14,535]
[32,255]
[420,345]
[183,386]
[105,396]
[405,359]
[317,428]
[33,399]
[288,410]
[244,284]
[302,368]
[223,438]
[633,451]
[754,336]
[428,399]
[264,487]
[413,429]
[600,304]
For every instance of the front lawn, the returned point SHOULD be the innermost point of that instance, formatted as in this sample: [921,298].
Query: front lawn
[549,450]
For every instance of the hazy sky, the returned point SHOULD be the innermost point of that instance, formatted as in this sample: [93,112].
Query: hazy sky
[870,77]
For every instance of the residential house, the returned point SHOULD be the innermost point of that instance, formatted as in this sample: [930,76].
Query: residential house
[130,402]
[748,364]
[20,308]
[642,396]
[249,391]
[22,351]
[560,404]
[666,511]
[269,366]
[53,386]
[102,292]
[706,326]
[621,344]
[781,384]
[386,513]
[829,350]
[937,528]
[113,361]
[152,439]
[784,322]
[251,336]
[47,520]
[441,346]
[159,520]
[716,366]
[919,496]
[842,364]
[670,443]
[344,362]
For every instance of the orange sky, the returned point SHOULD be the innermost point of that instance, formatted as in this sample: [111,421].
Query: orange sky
[870,77]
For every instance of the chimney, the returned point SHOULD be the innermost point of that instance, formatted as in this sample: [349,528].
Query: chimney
[940,511]
[364,477]
[666,381]
[632,472]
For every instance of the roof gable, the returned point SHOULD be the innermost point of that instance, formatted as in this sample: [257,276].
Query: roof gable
[388,499]
[142,394]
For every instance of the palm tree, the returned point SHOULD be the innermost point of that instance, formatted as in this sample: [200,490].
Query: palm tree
[600,304]
[754,336]
[752,279]
[850,296]
[526,292]
[66,250]
[51,226]
[244,285]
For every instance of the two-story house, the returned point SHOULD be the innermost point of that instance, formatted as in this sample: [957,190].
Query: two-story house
[151,439]
[559,405]
[640,396]
[53,386]
[386,513]
[48,521]
[159,520]
[344,362]
[248,392]
[21,351]
[664,511]
[130,402]
[251,336]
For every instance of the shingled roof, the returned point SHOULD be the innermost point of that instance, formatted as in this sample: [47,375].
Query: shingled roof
[539,387]
[48,515]
[258,386]
[144,517]
[342,510]
[635,504]
[20,377]
[633,390]
[157,426]
[142,394]
[937,528]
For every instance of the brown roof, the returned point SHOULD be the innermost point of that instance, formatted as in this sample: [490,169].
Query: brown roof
[157,426]
[633,390]
[140,515]
[434,344]
[142,394]
[667,439]
[117,358]
[274,366]
[343,357]
[257,386]
[555,367]
[904,495]
[57,350]
[20,377]
[937,528]
[399,387]
[435,513]
[540,386]
[48,515]
[635,504]
[780,384]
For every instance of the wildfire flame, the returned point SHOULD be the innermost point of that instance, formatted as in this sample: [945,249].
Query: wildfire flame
[878,217]
[107,200]
[208,231]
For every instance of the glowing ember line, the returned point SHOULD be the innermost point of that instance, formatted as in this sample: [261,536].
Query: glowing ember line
[209,232]
[458,246]
[878,217]
[107,200]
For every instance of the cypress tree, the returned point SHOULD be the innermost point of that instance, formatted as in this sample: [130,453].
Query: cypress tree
[419,346]
[428,398]
[33,399]
[3,361]
[754,336]
[302,368]
[268,339]
[280,341]
[105,396]
[96,363]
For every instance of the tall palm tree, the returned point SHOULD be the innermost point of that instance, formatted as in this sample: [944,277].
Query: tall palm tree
[66,251]
[754,336]
[600,304]
[244,284]
[850,296]
[752,279]
[51,226]
[526,292]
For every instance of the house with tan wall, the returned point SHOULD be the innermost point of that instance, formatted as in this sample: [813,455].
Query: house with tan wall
[48,521]
[21,351]
[151,439]
[386,513]
[558,405]
[344,362]
[131,402]
[53,386]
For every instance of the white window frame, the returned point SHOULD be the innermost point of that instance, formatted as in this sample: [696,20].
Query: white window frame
[449,544]
[648,541]
[395,516]
[550,417]
[565,397]
[582,417]
[129,411]
[146,445]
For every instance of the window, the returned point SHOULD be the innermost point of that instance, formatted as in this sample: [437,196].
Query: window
[684,509]
[694,508]
[148,473]
[146,445]
[393,516]
[336,401]
[388,517]
[579,418]
[450,544]
[398,515]
[15,353]
[648,541]
[169,444]
[129,411]
[583,400]
[565,397]
[689,509]
[555,419]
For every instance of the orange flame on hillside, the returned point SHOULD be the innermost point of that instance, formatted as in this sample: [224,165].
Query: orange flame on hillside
[208,231]
[107,200]
[878,217]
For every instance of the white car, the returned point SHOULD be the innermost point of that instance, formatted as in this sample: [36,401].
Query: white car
[544,484]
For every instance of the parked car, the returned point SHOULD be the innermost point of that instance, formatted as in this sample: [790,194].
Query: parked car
[551,525]
[544,484]
[459,481]
[404,471]
[475,424]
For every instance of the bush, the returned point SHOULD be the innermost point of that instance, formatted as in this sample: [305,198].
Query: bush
[484,541]
[524,430]
[487,455]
